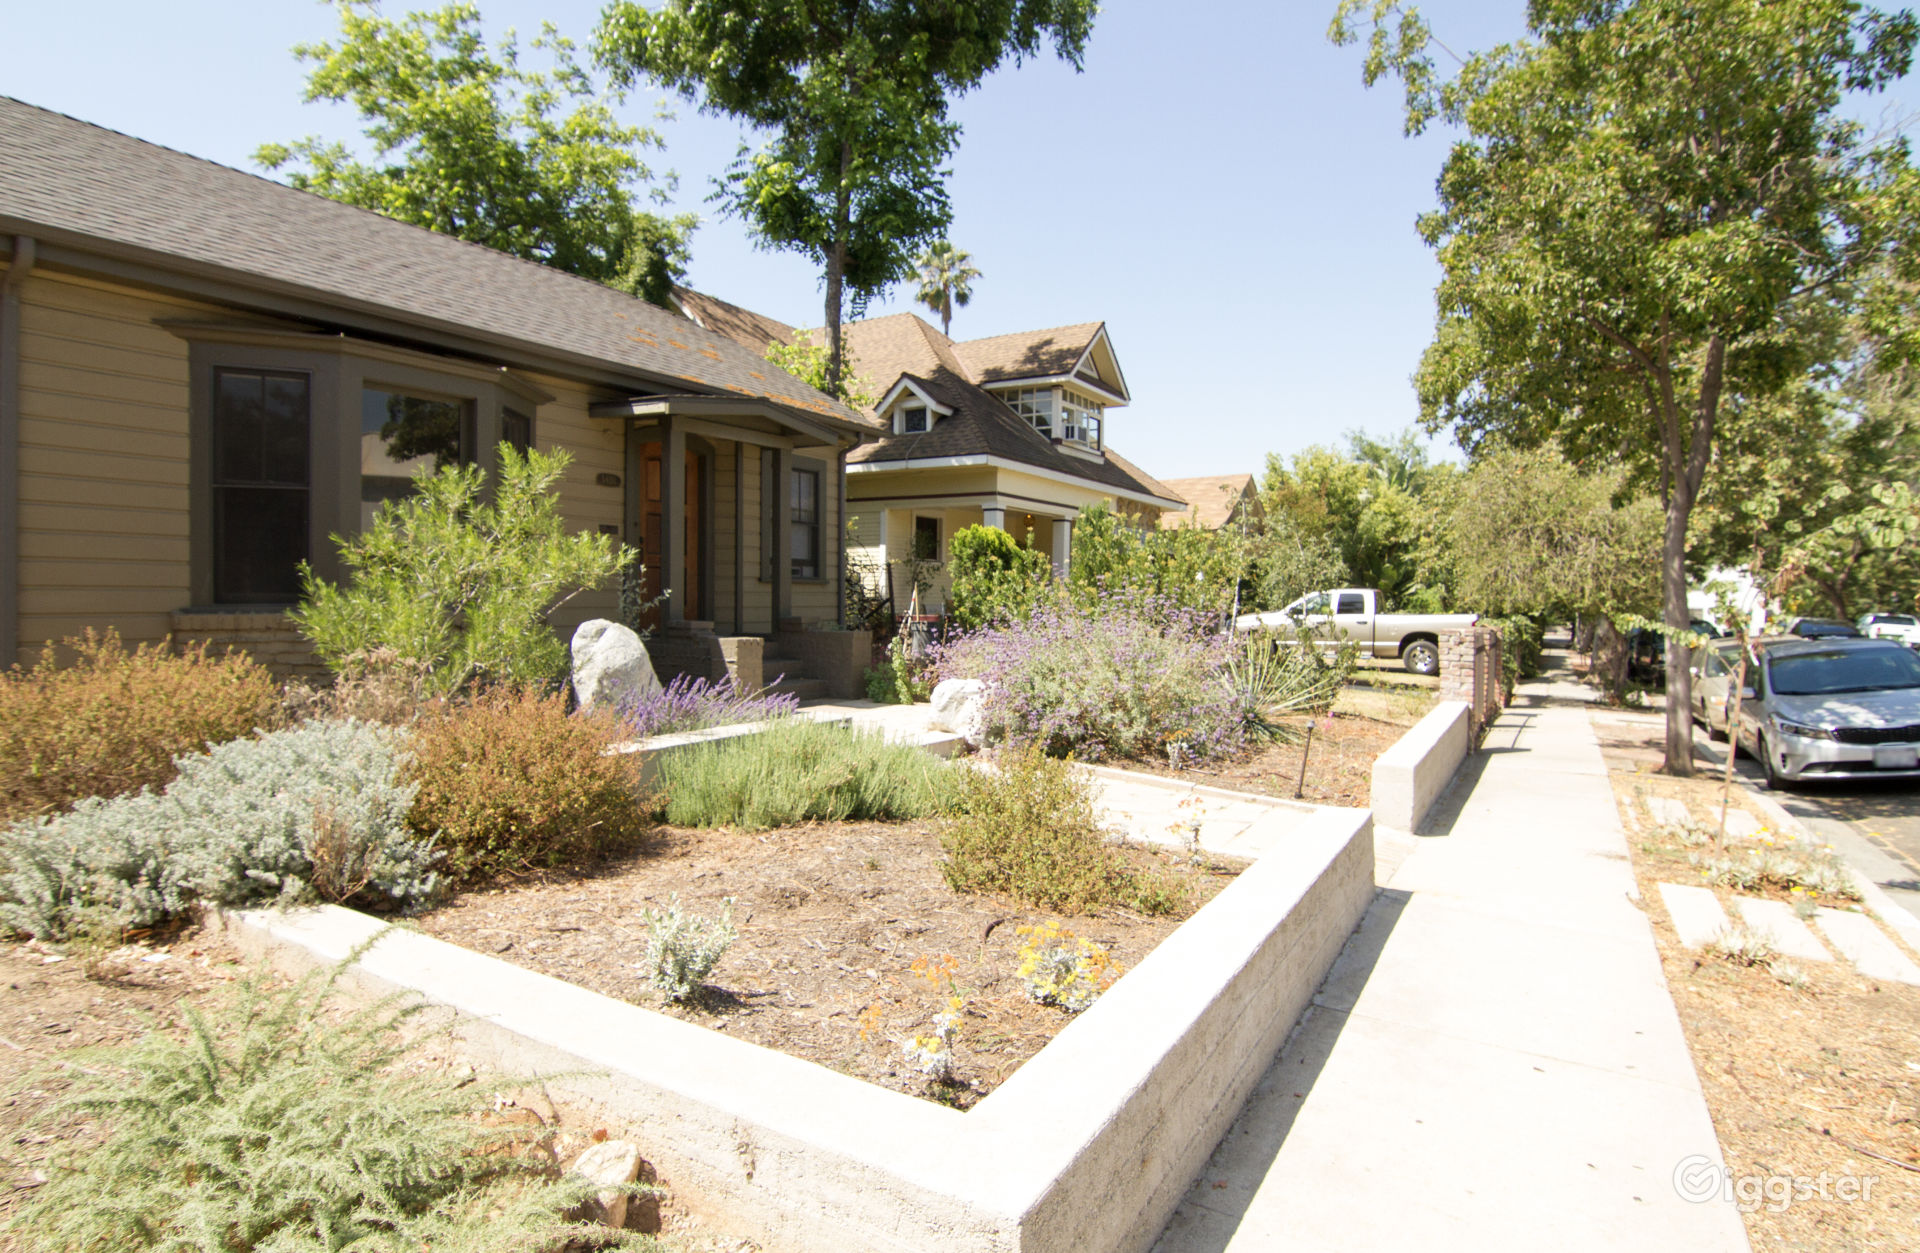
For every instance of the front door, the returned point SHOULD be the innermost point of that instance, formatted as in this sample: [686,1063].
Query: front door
[693,596]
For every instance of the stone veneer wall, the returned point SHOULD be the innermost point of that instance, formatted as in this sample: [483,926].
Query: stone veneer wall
[688,647]
[1470,672]
[268,636]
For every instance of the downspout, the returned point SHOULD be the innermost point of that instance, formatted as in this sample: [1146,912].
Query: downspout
[18,267]
[840,521]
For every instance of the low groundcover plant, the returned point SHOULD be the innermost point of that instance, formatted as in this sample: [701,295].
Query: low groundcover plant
[277,1122]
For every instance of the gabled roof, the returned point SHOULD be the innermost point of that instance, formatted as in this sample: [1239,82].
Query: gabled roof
[754,331]
[1213,498]
[1028,354]
[79,187]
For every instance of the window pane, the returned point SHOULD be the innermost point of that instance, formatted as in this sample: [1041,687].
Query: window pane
[516,429]
[401,436]
[286,452]
[1352,604]
[803,535]
[238,427]
[260,539]
[926,539]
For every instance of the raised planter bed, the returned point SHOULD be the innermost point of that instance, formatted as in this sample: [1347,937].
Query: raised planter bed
[1087,1147]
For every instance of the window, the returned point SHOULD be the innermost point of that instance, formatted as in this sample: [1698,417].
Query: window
[1080,418]
[805,530]
[262,467]
[926,539]
[516,429]
[1035,404]
[401,437]
[1351,603]
[914,420]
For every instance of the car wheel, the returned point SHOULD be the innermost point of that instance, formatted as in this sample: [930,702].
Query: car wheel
[1421,657]
[1715,735]
[1776,782]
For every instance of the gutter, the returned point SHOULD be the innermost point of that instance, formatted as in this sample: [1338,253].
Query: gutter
[19,265]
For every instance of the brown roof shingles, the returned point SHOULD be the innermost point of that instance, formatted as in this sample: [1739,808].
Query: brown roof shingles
[1027,354]
[1214,498]
[70,182]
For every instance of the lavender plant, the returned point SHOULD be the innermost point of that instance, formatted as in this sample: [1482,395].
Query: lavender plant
[691,704]
[1130,676]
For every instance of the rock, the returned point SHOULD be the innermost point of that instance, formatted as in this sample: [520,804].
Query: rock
[610,666]
[613,1164]
[959,707]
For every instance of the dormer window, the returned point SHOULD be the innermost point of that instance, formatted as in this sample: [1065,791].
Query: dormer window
[1080,418]
[1035,404]
[913,420]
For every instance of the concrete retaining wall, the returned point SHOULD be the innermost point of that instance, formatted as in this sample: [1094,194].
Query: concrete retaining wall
[1087,1147]
[1410,776]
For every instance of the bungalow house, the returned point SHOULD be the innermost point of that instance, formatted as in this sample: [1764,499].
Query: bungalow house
[204,375]
[1217,501]
[1009,431]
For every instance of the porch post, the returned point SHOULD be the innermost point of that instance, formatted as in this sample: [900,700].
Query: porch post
[740,539]
[782,539]
[673,516]
[994,515]
[838,549]
[1062,546]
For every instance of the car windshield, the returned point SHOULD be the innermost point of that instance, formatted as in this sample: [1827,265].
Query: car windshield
[1853,670]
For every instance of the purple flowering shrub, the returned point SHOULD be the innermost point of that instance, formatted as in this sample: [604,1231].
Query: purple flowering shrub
[1129,676]
[689,704]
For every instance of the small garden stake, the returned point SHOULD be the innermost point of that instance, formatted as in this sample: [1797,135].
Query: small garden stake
[1300,788]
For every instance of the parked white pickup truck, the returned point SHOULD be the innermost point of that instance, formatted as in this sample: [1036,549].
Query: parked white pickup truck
[1352,613]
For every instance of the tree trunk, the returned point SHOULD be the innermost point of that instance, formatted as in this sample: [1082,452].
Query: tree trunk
[1610,658]
[837,269]
[1689,466]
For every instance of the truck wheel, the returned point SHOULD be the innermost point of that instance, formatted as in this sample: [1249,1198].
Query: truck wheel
[1421,657]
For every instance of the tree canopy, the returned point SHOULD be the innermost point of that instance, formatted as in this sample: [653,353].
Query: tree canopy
[852,97]
[469,142]
[1646,196]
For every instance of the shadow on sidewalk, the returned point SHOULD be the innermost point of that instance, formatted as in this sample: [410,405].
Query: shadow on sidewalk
[1246,1154]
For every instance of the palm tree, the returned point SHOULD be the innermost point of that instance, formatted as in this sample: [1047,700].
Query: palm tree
[946,278]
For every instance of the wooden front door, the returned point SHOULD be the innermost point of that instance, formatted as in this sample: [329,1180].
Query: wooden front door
[693,596]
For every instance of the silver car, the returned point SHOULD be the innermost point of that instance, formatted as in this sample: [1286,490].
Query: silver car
[1891,626]
[1816,709]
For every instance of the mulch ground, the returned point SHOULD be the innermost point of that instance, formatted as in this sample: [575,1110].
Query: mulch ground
[1825,1079]
[832,918]
[1339,758]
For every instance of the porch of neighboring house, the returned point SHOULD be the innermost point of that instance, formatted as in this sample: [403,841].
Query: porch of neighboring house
[898,545]
[735,508]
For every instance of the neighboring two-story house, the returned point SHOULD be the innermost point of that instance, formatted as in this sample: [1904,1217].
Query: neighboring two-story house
[1011,431]
[1217,502]
[206,375]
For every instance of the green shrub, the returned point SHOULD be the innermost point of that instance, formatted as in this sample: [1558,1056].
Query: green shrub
[797,770]
[316,810]
[683,948]
[993,578]
[899,680]
[1274,676]
[511,780]
[460,584]
[275,1123]
[1522,641]
[1199,571]
[113,720]
[1027,828]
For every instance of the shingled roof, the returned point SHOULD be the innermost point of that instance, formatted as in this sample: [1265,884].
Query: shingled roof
[755,331]
[71,184]
[1213,499]
[1027,354]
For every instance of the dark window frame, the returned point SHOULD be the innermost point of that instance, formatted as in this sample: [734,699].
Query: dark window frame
[230,585]
[924,552]
[812,528]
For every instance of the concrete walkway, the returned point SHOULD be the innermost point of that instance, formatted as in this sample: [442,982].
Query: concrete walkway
[1494,1062]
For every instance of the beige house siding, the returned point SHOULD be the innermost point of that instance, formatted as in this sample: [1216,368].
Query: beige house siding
[597,447]
[103,460]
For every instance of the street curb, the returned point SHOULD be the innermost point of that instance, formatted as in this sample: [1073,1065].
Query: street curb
[1891,912]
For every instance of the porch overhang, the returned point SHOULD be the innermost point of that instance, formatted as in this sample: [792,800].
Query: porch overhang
[741,418]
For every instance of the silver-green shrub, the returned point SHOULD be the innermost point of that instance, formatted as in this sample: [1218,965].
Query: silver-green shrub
[316,810]
[683,948]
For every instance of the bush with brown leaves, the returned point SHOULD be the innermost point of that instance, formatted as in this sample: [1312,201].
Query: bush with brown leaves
[112,720]
[512,781]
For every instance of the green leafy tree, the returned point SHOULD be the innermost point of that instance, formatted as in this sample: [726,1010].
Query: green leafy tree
[469,142]
[946,281]
[993,578]
[853,96]
[1290,561]
[458,584]
[806,360]
[1645,192]
[1194,569]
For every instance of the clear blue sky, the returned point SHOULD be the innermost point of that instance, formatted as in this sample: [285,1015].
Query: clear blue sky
[1217,186]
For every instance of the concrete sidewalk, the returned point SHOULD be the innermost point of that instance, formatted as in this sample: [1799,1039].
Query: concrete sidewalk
[1494,1062]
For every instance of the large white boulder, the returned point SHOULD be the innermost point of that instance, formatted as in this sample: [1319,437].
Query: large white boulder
[959,706]
[610,666]
[611,1164]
